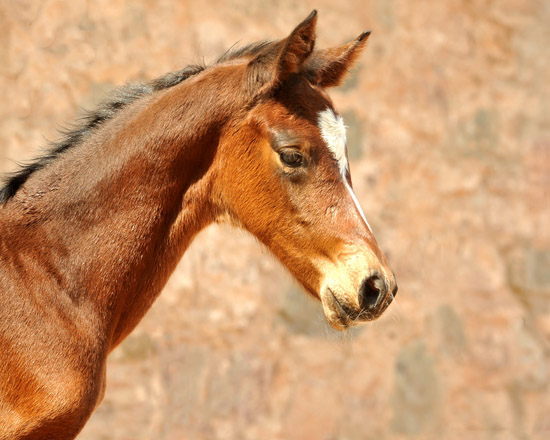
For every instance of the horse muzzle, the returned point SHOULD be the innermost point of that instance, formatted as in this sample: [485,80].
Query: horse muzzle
[344,307]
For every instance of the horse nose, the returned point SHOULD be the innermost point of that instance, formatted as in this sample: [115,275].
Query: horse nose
[372,291]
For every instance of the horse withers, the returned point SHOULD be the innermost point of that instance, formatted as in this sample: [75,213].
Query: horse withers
[91,231]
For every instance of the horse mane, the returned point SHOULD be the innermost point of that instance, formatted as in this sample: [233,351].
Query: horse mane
[117,99]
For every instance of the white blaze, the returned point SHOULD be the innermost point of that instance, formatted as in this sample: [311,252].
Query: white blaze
[357,205]
[333,131]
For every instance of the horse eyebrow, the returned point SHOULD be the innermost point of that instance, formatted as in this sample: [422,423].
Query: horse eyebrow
[284,137]
[118,99]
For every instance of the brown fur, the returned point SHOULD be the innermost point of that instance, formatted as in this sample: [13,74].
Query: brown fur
[81,264]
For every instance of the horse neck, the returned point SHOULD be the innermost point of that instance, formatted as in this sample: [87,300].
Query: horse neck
[139,192]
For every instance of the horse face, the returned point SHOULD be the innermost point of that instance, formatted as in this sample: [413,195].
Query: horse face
[289,184]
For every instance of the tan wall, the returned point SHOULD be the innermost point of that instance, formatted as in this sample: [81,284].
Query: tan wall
[450,135]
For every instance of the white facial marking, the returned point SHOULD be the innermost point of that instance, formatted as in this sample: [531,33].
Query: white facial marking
[357,205]
[333,131]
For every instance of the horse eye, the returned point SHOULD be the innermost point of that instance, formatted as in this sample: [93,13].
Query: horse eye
[291,158]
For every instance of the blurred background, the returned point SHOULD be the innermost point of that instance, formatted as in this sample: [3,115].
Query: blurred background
[448,115]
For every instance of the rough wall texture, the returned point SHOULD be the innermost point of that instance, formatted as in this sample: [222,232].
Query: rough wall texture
[448,116]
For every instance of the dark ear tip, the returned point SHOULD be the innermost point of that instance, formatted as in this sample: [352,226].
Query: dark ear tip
[310,20]
[364,36]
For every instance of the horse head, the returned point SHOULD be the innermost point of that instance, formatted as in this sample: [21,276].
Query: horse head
[286,176]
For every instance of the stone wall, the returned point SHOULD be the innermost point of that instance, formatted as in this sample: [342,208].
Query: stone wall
[449,127]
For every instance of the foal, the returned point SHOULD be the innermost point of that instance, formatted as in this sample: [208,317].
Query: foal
[90,233]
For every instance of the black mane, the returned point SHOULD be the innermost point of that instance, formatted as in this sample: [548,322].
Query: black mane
[117,99]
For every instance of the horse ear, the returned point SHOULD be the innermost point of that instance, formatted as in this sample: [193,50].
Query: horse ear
[328,67]
[283,58]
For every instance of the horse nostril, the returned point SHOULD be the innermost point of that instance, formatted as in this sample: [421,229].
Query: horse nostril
[394,291]
[370,292]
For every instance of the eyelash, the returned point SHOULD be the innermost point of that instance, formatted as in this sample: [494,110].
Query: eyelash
[291,158]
